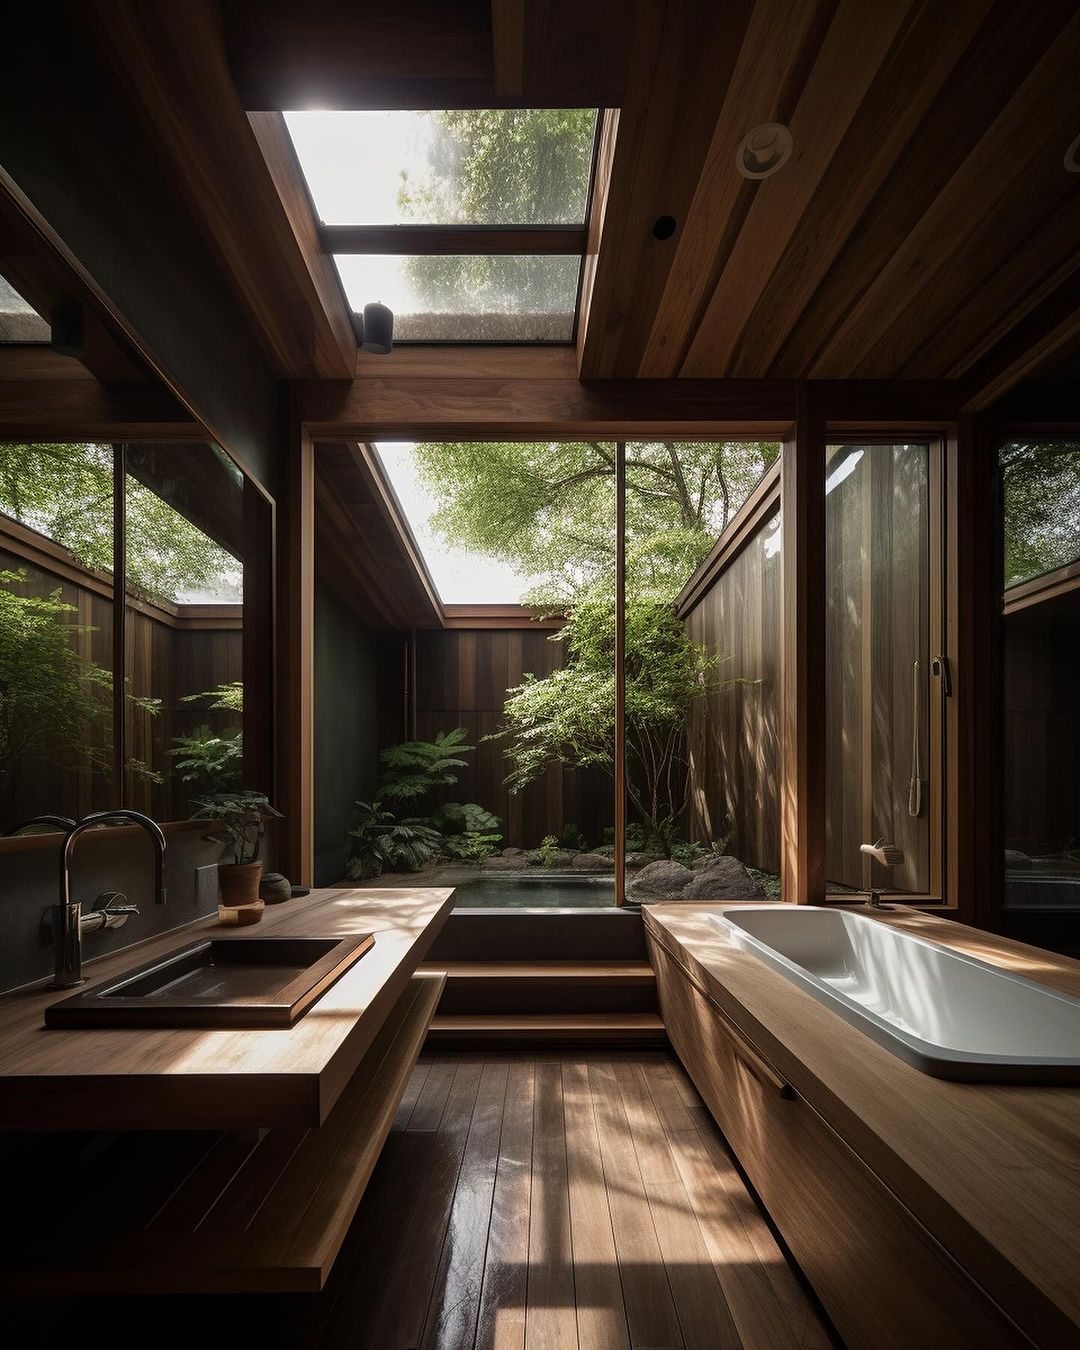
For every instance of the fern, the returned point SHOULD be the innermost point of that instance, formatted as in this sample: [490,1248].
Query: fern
[414,768]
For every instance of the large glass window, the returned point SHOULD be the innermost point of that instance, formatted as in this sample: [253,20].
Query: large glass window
[1040,483]
[882,632]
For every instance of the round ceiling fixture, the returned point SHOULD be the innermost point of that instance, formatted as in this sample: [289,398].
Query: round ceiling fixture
[764,150]
[1072,157]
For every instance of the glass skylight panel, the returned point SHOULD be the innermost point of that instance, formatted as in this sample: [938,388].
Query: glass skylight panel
[486,298]
[502,166]
[20,322]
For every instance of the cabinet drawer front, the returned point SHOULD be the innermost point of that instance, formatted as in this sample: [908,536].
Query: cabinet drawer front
[882,1277]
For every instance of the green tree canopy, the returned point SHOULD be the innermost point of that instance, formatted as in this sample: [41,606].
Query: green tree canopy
[65,492]
[548,508]
[1041,493]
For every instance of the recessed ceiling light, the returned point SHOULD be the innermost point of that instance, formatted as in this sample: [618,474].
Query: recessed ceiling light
[1072,157]
[764,150]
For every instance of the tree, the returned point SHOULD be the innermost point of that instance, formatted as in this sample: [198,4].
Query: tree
[1041,494]
[511,166]
[66,493]
[568,718]
[548,508]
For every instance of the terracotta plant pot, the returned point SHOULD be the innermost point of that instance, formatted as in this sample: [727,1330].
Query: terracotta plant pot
[239,882]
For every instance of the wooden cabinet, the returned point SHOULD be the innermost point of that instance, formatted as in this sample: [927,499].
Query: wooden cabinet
[883,1278]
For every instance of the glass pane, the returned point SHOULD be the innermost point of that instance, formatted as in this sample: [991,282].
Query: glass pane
[184,510]
[476,166]
[510,298]
[702,673]
[877,522]
[520,538]
[56,606]
[1041,498]
[19,322]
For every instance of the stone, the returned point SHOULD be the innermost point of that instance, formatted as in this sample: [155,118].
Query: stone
[590,862]
[513,853]
[663,880]
[501,863]
[560,858]
[723,879]
[605,851]
[640,859]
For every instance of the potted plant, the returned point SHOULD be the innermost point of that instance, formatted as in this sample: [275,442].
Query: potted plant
[243,817]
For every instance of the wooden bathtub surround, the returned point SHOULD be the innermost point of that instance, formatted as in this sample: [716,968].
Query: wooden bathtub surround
[922,1210]
[199,1079]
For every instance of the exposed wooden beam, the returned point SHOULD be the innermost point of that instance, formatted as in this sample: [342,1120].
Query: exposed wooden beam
[802,658]
[508,42]
[453,240]
[172,60]
[87,410]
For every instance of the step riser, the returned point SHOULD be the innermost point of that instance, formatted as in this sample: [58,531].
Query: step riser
[517,935]
[591,1040]
[551,996]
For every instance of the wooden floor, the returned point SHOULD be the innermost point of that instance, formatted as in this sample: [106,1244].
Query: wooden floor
[524,1202]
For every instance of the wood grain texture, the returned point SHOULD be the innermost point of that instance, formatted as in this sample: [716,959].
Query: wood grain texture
[218,1079]
[986,1170]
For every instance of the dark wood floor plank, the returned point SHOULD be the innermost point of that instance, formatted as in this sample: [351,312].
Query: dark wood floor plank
[550,1317]
[452,1315]
[650,1310]
[601,1311]
[400,1322]
[411,1095]
[431,1100]
[501,1320]
[704,1317]
[758,1257]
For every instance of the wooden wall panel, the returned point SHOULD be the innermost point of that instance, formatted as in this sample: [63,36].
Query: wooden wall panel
[462,679]
[734,735]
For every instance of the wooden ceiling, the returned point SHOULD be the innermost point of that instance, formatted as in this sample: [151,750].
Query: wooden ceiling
[924,228]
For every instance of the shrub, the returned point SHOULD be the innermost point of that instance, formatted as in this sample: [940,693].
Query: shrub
[383,841]
[472,847]
[414,768]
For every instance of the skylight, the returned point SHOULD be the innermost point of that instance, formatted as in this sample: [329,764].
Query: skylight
[20,322]
[477,166]
[469,224]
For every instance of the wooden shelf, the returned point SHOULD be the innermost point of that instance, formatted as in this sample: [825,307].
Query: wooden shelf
[257,1211]
[529,1028]
[496,972]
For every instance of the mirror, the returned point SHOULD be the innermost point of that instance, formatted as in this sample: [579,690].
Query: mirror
[56,630]
[184,617]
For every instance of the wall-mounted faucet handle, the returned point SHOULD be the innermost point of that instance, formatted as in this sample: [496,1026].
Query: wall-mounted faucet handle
[111,910]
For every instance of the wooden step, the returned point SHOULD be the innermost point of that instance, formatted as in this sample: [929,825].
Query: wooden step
[257,1212]
[539,1028]
[583,972]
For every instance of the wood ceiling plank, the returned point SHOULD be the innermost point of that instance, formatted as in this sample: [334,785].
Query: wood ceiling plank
[680,65]
[171,58]
[1037,341]
[988,180]
[855,47]
[1005,49]
[761,89]
[508,42]
[920,62]
[1010,265]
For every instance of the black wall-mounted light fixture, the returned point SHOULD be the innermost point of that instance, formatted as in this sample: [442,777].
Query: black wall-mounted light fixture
[377,329]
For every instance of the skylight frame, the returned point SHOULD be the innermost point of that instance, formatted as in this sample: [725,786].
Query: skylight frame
[459,239]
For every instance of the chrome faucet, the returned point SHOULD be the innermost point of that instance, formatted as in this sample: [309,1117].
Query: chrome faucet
[69,922]
[61,822]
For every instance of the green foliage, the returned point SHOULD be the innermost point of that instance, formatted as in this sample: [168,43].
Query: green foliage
[384,842]
[464,818]
[51,698]
[1041,494]
[547,852]
[243,817]
[548,508]
[65,492]
[212,763]
[508,166]
[571,836]
[414,768]
[568,718]
[227,697]
[472,847]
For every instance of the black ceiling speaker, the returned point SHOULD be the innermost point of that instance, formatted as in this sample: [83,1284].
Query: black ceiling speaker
[377,329]
[68,330]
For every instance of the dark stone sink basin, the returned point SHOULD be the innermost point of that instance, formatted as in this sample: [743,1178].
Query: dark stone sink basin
[218,982]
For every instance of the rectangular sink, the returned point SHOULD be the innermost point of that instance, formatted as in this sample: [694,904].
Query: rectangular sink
[219,982]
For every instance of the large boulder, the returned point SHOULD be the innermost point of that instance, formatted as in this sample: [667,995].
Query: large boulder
[663,880]
[723,879]
[513,853]
[640,859]
[590,862]
[501,863]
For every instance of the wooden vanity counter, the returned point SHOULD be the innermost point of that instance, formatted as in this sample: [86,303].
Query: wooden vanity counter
[132,1078]
[990,1171]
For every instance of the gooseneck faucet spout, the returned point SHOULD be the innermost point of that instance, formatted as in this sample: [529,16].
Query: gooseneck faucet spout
[69,921]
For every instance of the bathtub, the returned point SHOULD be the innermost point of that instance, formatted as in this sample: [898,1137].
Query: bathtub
[948,1014]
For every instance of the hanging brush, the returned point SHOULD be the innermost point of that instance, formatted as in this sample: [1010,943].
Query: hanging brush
[889,856]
